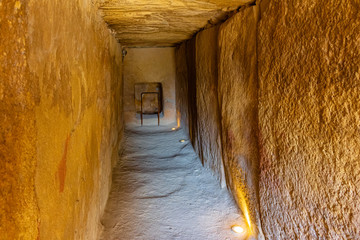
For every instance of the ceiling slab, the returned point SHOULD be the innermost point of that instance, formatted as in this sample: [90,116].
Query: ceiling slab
[149,23]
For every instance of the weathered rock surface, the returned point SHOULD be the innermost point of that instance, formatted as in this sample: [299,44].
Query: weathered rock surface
[150,65]
[18,96]
[186,87]
[237,92]
[191,94]
[308,112]
[61,122]
[221,114]
[163,22]
[208,138]
[309,115]
[181,88]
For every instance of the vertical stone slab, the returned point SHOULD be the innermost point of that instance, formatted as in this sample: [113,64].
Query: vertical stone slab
[77,65]
[181,87]
[186,87]
[18,96]
[208,135]
[237,93]
[191,81]
[309,114]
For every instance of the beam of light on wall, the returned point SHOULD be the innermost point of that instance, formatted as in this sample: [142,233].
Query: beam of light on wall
[178,117]
[247,217]
[245,209]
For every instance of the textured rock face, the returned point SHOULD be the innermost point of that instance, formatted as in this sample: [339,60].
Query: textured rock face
[207,138]
[150,65]
[237,92]
[308,112]
[186,88]
[222,105]
[190,57]
[18,96]
[163,22]
[181,87]
[309,115]
[60,119]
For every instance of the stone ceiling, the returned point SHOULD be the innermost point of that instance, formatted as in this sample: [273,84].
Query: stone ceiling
[146,23]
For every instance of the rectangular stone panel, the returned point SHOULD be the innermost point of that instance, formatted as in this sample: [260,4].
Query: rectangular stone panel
[150,98]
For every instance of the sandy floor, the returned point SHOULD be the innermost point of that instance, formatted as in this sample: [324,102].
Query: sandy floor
[161,191]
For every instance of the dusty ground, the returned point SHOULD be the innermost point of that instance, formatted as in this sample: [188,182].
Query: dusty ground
[161,191]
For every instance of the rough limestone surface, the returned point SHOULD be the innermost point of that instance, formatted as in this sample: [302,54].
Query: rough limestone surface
[163,22]
[181,88]
[150,65]
[217,83]
[208,135]
[18,96]
[190,56]
[61,119]
[237,93]
[186,88]
[309,115]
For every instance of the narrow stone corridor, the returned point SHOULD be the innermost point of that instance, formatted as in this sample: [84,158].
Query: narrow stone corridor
[161,191]
[264,93]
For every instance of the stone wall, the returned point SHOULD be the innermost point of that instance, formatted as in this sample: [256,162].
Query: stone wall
[237,91]
[190,57]
[181,88]
[197,97]
[222,106]
[146,65]
[309,115]
[18,97]
[208,136]
[288,93]
[62,114]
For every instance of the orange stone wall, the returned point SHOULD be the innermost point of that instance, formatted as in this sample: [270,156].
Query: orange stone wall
[221,87]
[18,98]
[288,93]
[61,120]
[309,115]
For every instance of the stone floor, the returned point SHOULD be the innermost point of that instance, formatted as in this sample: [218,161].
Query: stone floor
[161,191]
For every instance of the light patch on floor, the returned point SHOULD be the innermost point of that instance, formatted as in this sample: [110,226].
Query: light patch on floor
[161,191]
